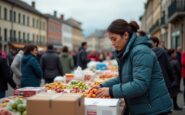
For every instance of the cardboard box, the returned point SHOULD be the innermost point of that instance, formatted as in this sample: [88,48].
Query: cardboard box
[56,104]
[94,106]
[29,91]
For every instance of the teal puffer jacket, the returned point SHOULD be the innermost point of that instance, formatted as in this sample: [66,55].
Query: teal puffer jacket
[141,82]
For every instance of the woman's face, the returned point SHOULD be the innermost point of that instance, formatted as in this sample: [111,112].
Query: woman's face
[34,52]
[118,41]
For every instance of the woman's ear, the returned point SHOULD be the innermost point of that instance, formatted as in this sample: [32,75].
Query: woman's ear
[126,36]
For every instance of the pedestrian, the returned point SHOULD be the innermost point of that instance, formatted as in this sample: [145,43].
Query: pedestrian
[177,74]
[16,67]
[163,59]
[51,66]
[66,60]
[30,68]
[140,80]
[5,77]
[179,55]
[183,73]
[82,59]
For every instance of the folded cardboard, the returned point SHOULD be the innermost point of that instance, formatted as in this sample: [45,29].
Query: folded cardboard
[94,106]
[56,104]
[28,91]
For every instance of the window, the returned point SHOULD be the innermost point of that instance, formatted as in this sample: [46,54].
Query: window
[11,15]
[0,12]
[14,35]
[33,38]
[11,35]
[23,36]
[33,22]
[19,37]
[14,18]
[5,34]
[37,23]
[23,18]
[5,14]
[43,25]
[28,21]
[19,18]
[28,37]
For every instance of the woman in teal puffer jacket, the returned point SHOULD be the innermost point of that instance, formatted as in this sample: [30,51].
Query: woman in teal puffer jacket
[140,80]
[31,69]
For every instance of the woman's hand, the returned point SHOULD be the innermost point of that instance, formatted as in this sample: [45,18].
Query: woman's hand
[103,92]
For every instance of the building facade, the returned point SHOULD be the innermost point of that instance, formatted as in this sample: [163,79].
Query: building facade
[77,33]
[166,20]
[21,24]
[99,41]
[67,35]
[54,30]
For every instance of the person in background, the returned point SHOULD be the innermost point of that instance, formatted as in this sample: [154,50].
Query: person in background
[66,60]
[93,55]
[140,80]
[183,72]
[179,55]
[141,33]
[16,67]
[163,59]
[82,59]
[5,77]
[51,66]
[176,73]
[30,68]
[10,56]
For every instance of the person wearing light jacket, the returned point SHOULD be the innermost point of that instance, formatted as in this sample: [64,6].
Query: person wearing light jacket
[16,67]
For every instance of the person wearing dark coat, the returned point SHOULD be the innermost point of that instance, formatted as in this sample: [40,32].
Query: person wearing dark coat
[30,68]
[82,59]
[176,73]
[6,77]
[179,58]
[51,66]
[163,59]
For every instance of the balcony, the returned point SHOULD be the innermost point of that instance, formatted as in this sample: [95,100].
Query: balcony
[176,10]
[162,22]
[155,27]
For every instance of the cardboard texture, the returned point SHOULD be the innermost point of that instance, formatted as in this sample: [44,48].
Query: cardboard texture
[56,104]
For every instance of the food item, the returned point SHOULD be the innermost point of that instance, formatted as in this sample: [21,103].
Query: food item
[69,77]
[106,76]
[5,112]
[56,86]
[24,113]
[18,105]
[77,86]
[92,93]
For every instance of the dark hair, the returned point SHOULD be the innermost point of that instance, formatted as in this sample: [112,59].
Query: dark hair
[121,26]
[155,40]
[170,51]
[65,49]
[141,33]
[50,47]
[29,48]
[83,44]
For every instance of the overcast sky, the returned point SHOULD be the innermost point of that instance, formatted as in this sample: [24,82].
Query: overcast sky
[94,14]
